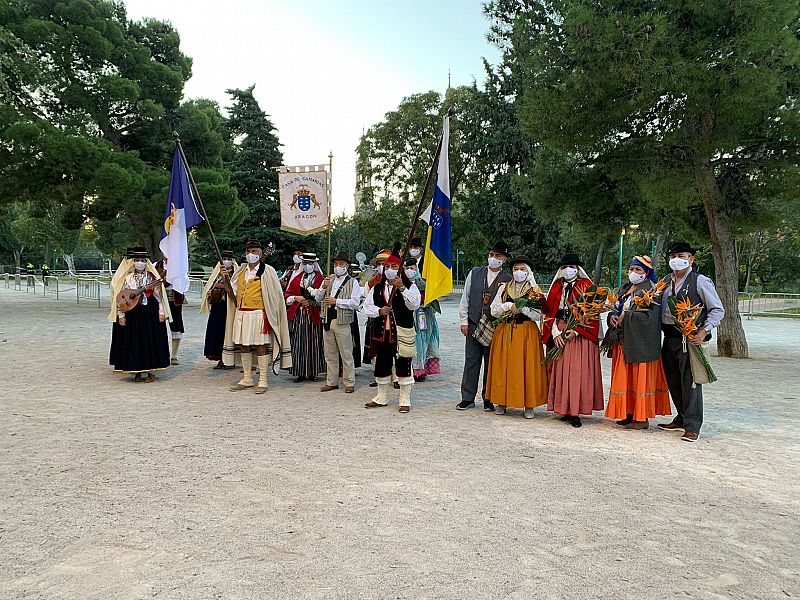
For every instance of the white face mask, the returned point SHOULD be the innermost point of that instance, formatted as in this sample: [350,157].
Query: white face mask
[253,258]
[410,273]
[297,259]
[227,263]
[139,265]
[390,273]
[380,269]
[570,273]
[678,264]
[340,271]
[495,263]
[635,278]
[520,276]
[308,268]
[414,251]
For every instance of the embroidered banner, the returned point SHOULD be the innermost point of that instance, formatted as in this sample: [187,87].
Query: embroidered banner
[305,199]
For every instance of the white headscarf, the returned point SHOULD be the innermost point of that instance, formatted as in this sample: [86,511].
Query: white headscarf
[582,274]
[528,284]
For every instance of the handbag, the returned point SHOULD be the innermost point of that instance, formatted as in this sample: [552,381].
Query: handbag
[484,332]
[406,342]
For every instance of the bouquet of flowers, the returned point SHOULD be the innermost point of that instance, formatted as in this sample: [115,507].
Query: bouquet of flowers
[684,314]
[308,294]
[588,307]
[649,297]
[533,299]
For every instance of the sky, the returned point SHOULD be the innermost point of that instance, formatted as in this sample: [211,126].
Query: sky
[325,71]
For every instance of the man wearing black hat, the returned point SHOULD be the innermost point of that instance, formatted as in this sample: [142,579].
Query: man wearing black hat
[340,296]
[683,283]
[214,304]
[415,250]
[480,288]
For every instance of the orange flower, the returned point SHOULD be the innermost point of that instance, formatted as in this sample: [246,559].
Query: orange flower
[602,290]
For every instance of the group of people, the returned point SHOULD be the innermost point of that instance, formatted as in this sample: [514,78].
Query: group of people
[531,357]
[306,323]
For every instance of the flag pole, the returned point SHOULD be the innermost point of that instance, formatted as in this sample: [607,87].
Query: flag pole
[330,207]
[196,194]
[428,179]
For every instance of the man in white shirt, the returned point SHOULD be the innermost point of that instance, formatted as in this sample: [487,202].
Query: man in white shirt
[339,297]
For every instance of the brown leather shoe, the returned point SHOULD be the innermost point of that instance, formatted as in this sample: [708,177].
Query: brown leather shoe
[372,404]
[349,390]
[404,409]
[625,421]
[690,436]
[638,425]
[328,388]
[670,426]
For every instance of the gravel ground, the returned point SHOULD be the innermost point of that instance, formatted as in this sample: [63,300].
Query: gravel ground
[182,489]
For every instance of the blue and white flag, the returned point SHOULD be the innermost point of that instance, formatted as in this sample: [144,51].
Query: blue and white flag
[180,215]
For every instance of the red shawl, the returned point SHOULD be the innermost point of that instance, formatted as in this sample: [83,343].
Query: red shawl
[294,290]
[591,332]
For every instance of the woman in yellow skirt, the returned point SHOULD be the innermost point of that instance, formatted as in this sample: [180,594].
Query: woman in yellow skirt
[517,377]
[638,387]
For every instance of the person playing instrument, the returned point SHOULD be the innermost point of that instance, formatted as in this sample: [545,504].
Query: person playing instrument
[176,301]
[142,346]
[215,305]
[257,318]
[117,279]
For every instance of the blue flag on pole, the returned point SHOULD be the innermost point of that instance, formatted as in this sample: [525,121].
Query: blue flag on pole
[180,215]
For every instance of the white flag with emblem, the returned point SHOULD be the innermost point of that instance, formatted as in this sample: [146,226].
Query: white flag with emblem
[305,199]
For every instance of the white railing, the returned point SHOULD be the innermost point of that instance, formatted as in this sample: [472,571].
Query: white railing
[772,304]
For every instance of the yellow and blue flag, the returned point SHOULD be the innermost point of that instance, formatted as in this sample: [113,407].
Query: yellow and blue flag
[180,215]
[437,270]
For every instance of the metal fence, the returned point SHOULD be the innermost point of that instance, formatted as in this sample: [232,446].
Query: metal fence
[769,304]
[88,289]
[50,285]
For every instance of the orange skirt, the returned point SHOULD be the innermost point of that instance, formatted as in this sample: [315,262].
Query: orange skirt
[517,377]
[638,389]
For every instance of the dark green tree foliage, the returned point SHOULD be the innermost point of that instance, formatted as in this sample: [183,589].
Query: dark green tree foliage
[691,103]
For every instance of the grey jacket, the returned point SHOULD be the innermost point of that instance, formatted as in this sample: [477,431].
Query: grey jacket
[641,330]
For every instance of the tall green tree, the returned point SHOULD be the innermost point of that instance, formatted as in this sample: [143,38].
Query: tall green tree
[697,98]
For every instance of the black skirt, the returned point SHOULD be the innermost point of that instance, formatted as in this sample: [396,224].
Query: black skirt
[215,330]
[142,345]
[367,335]
[176,325]
[356,342]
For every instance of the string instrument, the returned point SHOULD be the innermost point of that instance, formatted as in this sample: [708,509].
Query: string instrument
[129,299]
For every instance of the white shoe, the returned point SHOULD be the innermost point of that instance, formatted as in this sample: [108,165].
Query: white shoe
[499,410]
[528,413]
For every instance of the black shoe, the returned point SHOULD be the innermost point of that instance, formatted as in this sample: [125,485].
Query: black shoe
[419,378]
[488,406]
[299,379]
[575,422]
[373,384]
[396,385]
[464,405]
[565,418]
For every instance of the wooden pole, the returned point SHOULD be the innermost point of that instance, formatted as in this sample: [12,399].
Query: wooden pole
[225,278]
[330,206]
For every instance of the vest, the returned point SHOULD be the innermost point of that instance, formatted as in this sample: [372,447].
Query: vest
[476,307]
[401,315]
[689,290]
[344,316]
[248,294]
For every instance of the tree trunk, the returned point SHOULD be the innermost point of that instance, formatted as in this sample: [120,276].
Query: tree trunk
[69,259]
[598,263]
[48,251]
[658,253]
[18,258]
[731,340]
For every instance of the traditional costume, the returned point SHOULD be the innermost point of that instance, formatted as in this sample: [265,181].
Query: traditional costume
[293,270]
[214,303]
[575,379]
[337,321]
[258,319]
[376,262]
[638,386]
[687,395]
[141,345]
[355,273]
[388,330]
[480,288]
[426,362]
[517,377]
[176,301]
[305,324]
[117,279]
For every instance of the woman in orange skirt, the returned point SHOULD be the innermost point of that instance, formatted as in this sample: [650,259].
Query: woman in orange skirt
[638,387]
[516,376]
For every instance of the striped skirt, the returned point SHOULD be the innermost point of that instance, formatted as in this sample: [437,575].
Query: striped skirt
[308,357]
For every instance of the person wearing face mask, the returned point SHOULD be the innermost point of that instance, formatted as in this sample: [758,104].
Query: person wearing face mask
[426,362]
[638,386]
[517,377]
[377,263]
[305,324]
[176,301]
[117,280]
[415,251]
[340,297]
[391,304]
[142,346]
[257,319]
[684,282]
[214,303]
[293,270]
[575,379]
[480,287]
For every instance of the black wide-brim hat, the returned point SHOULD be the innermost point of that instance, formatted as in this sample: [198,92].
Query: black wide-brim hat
[521,259]
[140,253]
[501,248]
[416,242]
[343,256]
[253,244]
[227,254]
[570,258]
[681,247]
[310,257]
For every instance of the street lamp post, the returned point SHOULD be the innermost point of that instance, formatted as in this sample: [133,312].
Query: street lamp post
[458,254]
[632,227]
